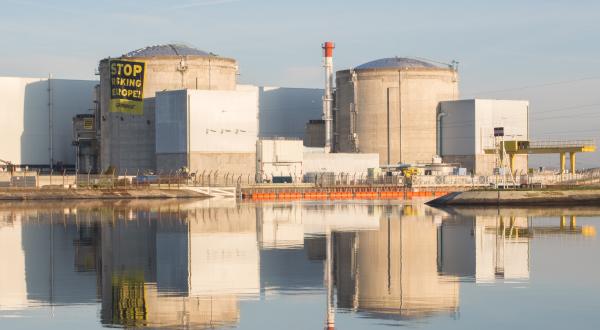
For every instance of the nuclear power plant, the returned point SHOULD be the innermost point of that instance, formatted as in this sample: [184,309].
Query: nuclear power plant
[174,108]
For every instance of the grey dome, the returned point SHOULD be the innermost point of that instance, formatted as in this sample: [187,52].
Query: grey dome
[396,62]
[167,50]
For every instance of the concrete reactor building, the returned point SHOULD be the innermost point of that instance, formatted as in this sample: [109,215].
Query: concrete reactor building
[127,132]
[390,106]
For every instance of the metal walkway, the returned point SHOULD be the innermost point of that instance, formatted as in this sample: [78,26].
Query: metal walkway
[512,148]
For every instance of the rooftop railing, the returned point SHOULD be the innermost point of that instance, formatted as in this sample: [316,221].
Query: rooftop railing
[562,143]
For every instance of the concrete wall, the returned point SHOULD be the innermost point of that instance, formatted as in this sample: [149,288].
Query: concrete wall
[222,135]
[395,111]
[467,130]
[224,121]
[24,120]
[314,136]
[485,164]
[237,163]
[285,111]
[128,141]
[166,162]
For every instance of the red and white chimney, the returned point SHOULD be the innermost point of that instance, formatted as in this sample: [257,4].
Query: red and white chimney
[328,94]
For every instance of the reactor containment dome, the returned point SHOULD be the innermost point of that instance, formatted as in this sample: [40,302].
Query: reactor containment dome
[390,106]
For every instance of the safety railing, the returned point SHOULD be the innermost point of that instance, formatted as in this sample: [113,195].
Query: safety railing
[561,143]
[144,179]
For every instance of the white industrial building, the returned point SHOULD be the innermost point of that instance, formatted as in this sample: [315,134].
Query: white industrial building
[316,161]
[222,127]
[36,119]
[288,158]
[279,158]
[466,129]
[206,130]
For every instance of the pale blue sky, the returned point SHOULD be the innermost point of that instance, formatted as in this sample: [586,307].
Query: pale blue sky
[501,45]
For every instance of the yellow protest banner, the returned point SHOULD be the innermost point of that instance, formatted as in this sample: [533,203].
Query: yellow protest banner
[127,86]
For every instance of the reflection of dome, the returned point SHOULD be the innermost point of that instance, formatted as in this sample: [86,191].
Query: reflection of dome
[167,50]
[395,62]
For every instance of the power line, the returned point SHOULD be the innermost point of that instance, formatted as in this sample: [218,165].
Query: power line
[574,116]
[566,108]
[564,82]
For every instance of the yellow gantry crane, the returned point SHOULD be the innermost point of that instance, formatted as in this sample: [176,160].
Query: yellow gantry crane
[516,147]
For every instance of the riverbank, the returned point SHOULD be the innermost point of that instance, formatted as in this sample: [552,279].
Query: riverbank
[22,194]
[550,197]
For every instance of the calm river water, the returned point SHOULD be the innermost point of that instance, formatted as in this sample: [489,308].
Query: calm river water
[297,265]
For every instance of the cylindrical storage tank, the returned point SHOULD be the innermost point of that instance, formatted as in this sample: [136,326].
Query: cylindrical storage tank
[128,140]
[389,106]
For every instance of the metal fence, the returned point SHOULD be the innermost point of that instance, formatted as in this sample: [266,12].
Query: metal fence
[451,181]
[18,179]
[519,180]
[168,180]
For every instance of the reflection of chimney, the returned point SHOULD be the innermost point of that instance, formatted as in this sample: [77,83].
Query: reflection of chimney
[330,322]
[328,94]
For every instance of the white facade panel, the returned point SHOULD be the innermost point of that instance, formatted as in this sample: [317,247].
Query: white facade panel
[512,115]
[468,126]
[284,112]
[223,121]
[24,115]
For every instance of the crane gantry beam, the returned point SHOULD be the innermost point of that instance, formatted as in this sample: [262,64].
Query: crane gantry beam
[517,147]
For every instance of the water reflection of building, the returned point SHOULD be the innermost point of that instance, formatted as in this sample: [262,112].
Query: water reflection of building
[159,266]
[38,261]
[485,247]
[13,288]
[190,264]
[392,272]
[292,240]
[186,269]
